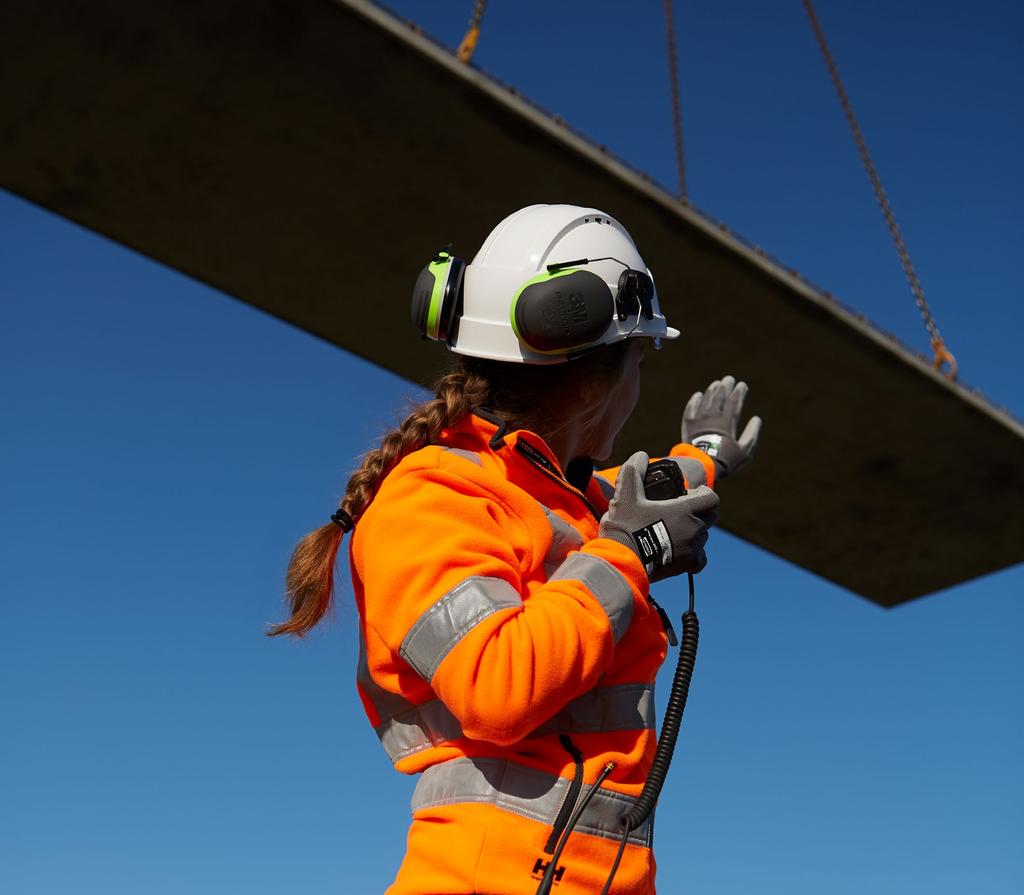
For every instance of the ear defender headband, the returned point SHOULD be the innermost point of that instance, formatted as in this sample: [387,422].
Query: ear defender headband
[562,310]
[437,296]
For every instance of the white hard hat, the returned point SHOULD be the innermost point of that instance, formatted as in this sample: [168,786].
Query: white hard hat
[549,283]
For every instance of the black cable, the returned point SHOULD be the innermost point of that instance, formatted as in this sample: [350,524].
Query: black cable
[618,858]
[549,875]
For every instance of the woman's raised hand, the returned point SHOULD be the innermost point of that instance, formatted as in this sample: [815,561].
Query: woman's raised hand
[667,535]
[710,421]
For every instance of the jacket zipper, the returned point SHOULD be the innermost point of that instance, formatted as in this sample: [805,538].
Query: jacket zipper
[544,465]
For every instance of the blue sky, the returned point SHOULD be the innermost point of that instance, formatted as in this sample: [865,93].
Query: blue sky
[165,445]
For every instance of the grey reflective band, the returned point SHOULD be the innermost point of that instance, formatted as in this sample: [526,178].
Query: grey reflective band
[606,487]
[564,539]
[624,707]
[607,585]
[454,615]
[524,791]
[404,728]
[387,704]
[418,727]
[693,471]
[472,456]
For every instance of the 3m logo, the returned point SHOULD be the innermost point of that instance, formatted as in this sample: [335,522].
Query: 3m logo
[540,867]
[565,311]
[577,308]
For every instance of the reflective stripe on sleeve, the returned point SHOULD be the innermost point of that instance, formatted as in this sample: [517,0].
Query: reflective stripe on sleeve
[564,539]
[444,624]
[607,585]
[387,704]
[524,791]
[418,728]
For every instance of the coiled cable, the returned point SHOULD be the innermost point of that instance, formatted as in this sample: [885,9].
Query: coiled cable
[669,734]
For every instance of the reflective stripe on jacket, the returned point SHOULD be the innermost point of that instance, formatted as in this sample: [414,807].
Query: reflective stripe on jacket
[494,619]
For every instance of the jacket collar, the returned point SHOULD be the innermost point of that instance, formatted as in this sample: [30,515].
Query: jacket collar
[493,430]
[496,432]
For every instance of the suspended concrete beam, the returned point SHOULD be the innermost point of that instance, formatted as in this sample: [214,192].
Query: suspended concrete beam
[307,156]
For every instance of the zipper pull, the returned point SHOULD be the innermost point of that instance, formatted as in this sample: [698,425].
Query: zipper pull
[665,622]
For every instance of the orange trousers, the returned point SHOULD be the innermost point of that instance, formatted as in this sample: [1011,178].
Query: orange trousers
[479,849]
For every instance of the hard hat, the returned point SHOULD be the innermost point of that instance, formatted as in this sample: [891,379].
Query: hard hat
[549,283]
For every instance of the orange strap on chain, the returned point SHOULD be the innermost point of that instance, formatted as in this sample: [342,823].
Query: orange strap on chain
[465,51]
[468,45]
[943,357]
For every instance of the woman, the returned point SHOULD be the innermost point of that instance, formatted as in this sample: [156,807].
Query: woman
[509,644]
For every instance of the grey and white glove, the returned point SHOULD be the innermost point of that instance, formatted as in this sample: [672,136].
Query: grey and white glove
[710,421]
[667,535]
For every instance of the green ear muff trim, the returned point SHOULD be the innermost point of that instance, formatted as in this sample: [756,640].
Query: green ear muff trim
[540,278]
[563,317]
[440,269]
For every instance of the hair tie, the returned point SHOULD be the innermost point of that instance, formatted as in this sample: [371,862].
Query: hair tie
[343,520]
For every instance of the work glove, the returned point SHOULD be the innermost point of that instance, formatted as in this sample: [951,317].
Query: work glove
[667,535]
[710,420]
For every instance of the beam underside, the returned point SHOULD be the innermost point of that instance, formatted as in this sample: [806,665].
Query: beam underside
[302,158]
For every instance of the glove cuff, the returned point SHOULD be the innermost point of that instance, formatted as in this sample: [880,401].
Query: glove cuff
[614,534]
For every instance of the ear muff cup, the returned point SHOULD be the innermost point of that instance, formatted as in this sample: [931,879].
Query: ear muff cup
[561,311]
[437,297]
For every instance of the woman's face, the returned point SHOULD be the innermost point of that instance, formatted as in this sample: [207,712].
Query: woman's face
[616,404]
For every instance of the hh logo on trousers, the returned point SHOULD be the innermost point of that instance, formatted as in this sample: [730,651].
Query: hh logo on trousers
[540,867]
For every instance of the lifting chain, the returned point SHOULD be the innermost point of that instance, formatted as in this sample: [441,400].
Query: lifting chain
[942,355]
[677,116]
[468,45]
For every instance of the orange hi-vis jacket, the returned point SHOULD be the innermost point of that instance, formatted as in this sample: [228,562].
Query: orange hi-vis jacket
[508,653]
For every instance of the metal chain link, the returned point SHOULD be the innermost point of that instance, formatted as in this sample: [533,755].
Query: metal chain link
[942,354]
[468,45]
[677,116]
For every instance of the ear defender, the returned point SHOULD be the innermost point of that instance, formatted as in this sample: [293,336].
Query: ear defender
[437,296]
[559,311]
[636,292]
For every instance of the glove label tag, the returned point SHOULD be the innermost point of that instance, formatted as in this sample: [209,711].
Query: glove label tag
[711,444]
[655,546]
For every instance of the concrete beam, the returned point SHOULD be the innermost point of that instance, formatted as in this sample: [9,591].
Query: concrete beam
[306,157]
